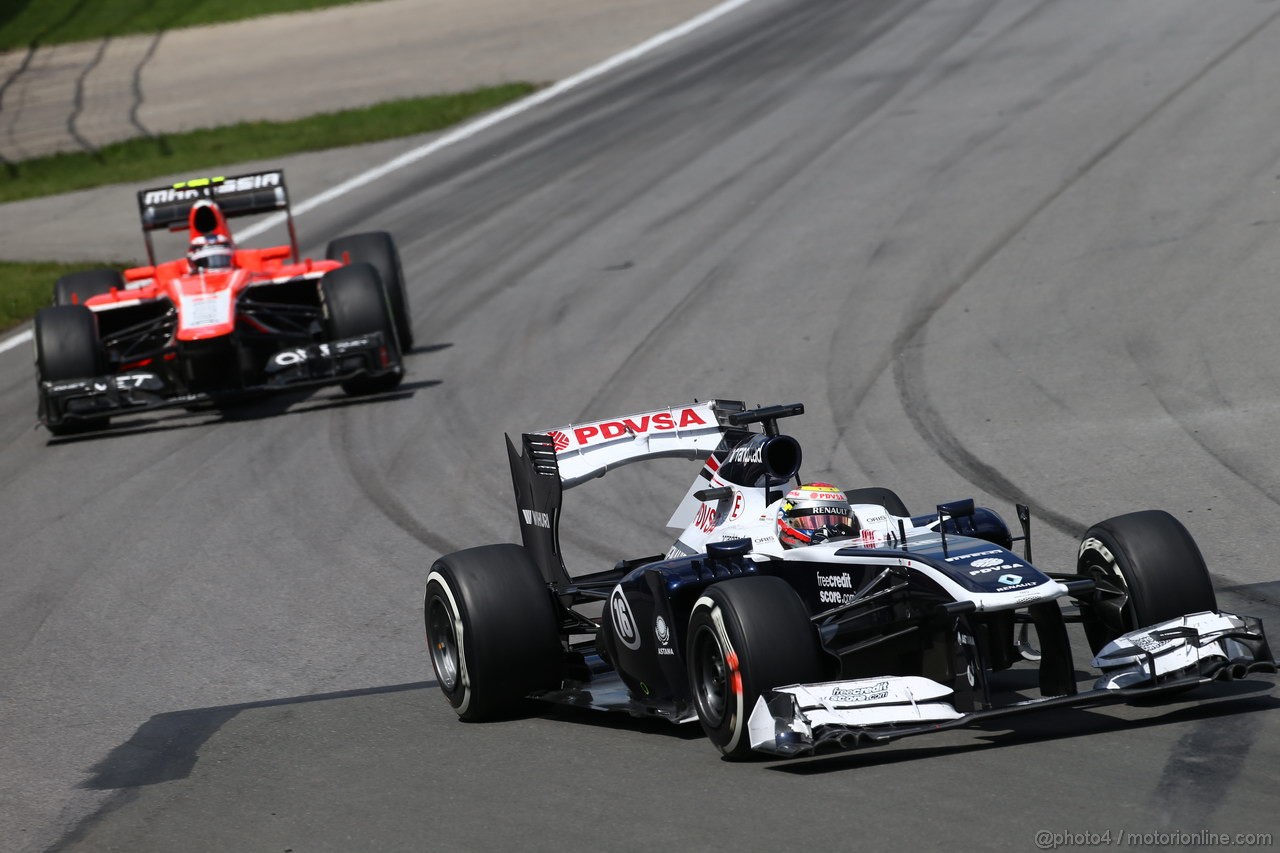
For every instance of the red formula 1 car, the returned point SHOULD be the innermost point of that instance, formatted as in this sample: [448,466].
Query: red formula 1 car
[222,322]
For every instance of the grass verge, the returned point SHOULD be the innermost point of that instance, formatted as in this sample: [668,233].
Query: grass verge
[27,287]
[24,23]
[199,150]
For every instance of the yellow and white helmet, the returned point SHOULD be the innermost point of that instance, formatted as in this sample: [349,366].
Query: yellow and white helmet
[814,513]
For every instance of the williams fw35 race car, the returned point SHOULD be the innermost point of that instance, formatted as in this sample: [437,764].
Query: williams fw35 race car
[782,637]
[221,322]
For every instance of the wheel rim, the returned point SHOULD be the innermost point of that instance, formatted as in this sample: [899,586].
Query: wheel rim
[710,677]
[1112,602]
[442,636]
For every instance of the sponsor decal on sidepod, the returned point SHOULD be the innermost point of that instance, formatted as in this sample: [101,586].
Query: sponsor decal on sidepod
[624,623]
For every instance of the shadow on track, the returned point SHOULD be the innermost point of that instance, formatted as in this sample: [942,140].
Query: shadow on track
[619,721]
[259,407]
[167,746]
[275,406]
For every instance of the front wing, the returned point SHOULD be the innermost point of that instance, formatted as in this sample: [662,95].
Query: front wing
[1165,658]
[141,390]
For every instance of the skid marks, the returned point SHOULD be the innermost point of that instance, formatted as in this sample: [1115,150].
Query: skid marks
[906,355]
[1199,777]
[1170,394]
[361,458]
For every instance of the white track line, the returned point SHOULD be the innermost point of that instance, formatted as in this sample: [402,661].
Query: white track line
[16,340]
[466,131]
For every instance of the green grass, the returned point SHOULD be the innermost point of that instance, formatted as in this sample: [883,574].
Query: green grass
[199,150]
[27,287]
[34,22]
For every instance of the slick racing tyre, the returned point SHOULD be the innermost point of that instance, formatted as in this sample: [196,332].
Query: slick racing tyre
[67,347]
[746,635]
[77,287]
[491,630]
[378,249]
[1147,568]
[886,498]
[356,304]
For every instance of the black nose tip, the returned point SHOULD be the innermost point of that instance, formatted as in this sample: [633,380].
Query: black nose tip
[206,220]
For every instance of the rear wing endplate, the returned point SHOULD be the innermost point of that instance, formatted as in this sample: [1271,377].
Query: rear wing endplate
[536,478]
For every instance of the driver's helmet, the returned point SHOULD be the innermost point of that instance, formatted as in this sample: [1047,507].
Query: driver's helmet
[210,252]
[814,513]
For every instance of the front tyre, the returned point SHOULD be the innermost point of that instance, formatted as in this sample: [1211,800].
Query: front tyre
[67,347]
[1147,569]
[355,305]
[491,630]
[378,249]
[746,635]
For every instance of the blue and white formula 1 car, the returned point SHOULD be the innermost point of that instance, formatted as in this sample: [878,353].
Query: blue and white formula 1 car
[899,630]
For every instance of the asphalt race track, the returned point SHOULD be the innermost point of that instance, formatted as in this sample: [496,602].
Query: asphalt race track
[1024,251]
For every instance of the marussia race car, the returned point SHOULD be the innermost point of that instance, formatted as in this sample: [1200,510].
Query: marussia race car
[901,630]
[223,322]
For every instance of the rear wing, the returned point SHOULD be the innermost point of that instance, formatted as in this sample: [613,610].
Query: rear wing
[550,462]
[168,207]
[588,450]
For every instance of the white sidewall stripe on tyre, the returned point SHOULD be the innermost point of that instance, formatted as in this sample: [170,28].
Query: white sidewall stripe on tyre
[470,129]
[464,678]
[736,698]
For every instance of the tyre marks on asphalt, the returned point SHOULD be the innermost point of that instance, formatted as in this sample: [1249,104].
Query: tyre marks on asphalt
[909,349]
[777,175]
[136,87]
[77,101]
[13,112]
[545,219]
[46,88]
[361,459]
[1191,404]
[1202,770]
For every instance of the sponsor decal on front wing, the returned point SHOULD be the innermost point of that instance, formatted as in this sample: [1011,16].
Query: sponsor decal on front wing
[862,693]
[869,691]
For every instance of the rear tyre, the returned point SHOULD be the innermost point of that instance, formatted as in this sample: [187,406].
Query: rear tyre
[1147,568]
[491,630]
[67,347]
[378,249]
[78,287]
[746,635]
[886,498]
[356,304]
